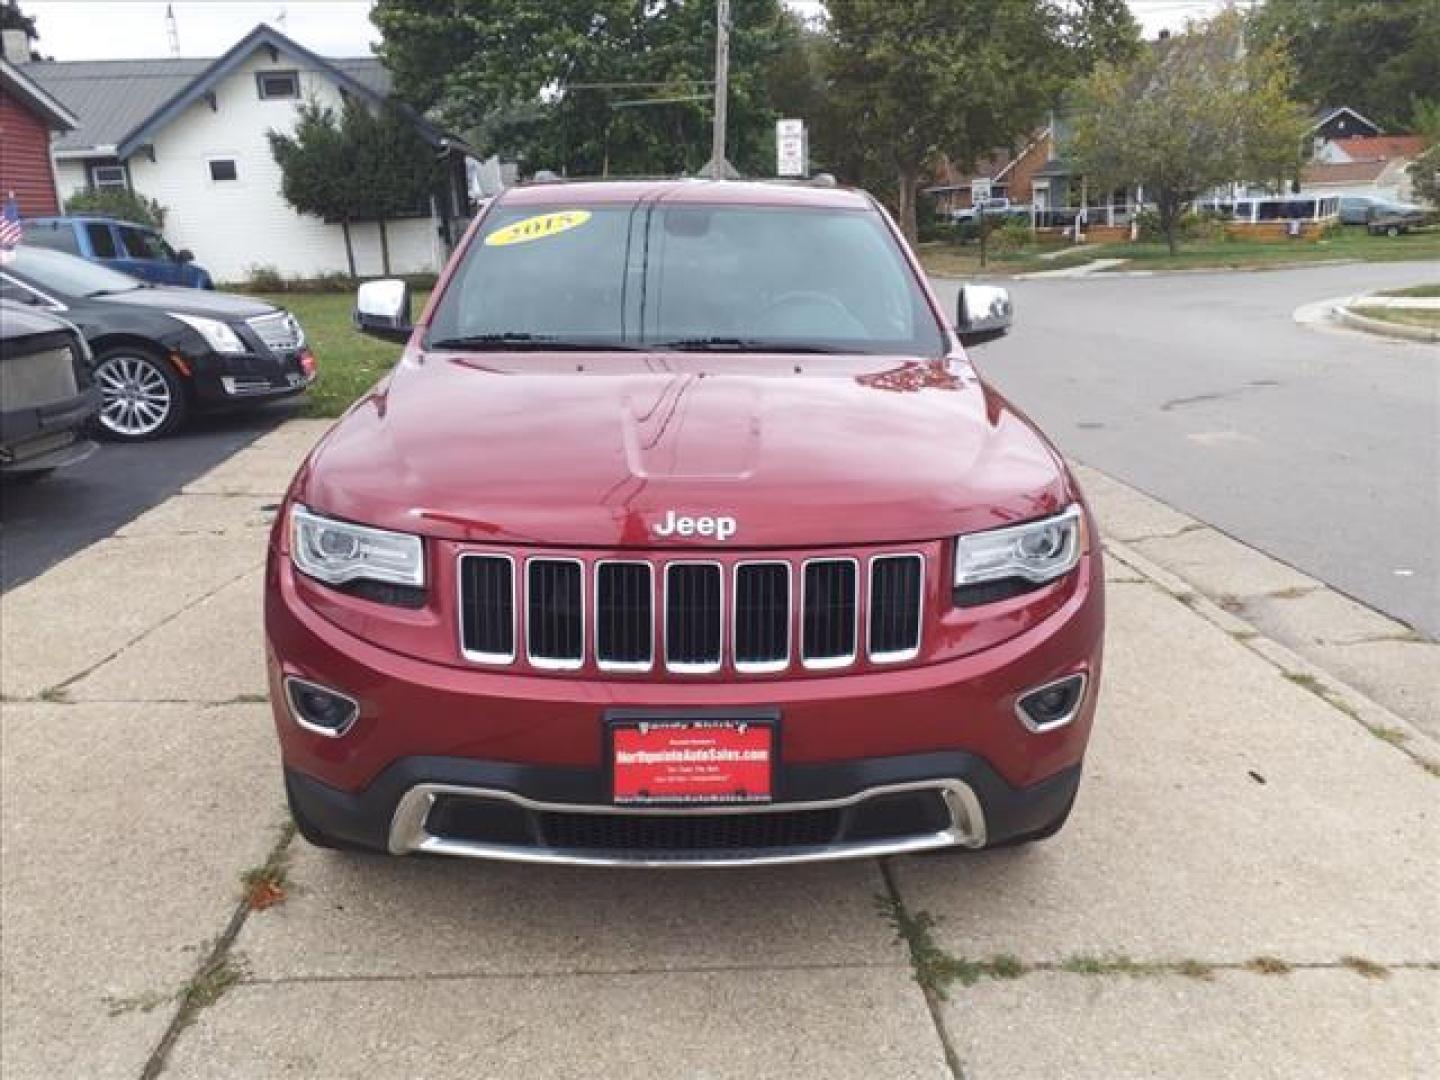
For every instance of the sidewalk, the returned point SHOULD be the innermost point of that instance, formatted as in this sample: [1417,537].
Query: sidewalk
[1246,889]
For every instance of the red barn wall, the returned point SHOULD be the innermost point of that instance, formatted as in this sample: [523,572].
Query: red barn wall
[25,159]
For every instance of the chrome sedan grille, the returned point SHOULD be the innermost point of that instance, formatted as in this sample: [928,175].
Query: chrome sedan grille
[690,616]
[280,332]
[37,379]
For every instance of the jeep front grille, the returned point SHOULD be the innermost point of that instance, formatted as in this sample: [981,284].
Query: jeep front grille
[696,616]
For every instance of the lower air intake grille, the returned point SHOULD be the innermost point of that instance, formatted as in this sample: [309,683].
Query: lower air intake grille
[690,832]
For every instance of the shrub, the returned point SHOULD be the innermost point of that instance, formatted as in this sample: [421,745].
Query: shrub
[126,205]
[1009,236]
[264,278]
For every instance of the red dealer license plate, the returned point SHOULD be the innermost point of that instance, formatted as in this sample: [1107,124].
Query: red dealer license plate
[692,761]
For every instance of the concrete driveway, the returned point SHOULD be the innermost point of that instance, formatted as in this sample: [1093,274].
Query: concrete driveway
[1247,887]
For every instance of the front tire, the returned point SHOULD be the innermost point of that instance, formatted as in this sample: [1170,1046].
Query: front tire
[141,395]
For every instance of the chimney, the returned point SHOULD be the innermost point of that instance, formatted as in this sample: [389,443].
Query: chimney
[16,46]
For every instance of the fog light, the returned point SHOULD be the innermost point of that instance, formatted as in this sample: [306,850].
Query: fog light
[319,709]
[1053,705]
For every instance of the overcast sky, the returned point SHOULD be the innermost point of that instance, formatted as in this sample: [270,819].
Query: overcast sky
[116,29]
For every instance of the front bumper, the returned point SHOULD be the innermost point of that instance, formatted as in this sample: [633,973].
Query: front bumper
[531,749]
[39,438]
[492,810]
[229,380]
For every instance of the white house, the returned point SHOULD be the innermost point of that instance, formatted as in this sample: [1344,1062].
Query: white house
[192,135]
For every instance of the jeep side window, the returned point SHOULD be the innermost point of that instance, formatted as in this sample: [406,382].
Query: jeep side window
[140,244]
[102,240]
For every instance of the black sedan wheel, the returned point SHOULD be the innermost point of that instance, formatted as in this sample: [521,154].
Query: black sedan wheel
[141,397]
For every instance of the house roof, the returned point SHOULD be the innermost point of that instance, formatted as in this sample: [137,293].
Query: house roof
[1381,147]
[1329,112]
[35,97]
[123,103]
[1343,172]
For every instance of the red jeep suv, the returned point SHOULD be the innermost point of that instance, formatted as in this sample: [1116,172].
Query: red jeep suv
[682,534]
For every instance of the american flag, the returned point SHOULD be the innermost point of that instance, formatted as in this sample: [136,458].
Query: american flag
[10,233]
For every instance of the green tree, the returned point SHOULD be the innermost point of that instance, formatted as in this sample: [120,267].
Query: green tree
[555,84]
[917,81]
[1191,113]
[1373,55]
[364,165]
[318,168]
[1425,176]
[126,205]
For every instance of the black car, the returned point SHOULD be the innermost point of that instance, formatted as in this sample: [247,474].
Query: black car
[161,353]
[47,394]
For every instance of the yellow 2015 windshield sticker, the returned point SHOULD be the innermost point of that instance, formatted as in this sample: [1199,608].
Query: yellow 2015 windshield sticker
[537,228]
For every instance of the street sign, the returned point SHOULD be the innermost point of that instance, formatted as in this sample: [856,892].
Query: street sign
[792,148]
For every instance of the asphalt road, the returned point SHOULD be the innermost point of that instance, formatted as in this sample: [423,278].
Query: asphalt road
[44,522]
[1320,447]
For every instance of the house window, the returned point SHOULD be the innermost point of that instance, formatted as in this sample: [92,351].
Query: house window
[222,169]
[278,84]
[109,178]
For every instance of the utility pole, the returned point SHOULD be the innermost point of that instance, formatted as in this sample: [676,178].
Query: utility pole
[722,87]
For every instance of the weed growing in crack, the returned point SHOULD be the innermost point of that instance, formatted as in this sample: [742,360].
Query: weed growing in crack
[1268,965]
[1369,968]
[935,969]
[55,695]
[1392,735]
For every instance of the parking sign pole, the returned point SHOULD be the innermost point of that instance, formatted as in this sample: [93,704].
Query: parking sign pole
[722,87]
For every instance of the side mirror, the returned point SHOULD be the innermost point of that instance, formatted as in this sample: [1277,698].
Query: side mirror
[184,255]
[382,310]
[982,312]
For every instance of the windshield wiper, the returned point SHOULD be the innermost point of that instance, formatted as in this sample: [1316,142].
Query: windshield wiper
[519,340]
[739,344]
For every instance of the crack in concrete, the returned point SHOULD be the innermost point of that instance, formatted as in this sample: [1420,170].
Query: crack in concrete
[568,973]
[931,992]
[63,684]
[216,974]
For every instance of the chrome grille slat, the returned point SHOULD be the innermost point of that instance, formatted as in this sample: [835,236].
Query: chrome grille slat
[568,610]
[829,612]
[761,616]
[896,586]
[279,331]
[487,610]
[694,617]
[555,613]
[624,616]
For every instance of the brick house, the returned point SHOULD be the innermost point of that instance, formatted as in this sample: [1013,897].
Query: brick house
[29,118]
[1008,174]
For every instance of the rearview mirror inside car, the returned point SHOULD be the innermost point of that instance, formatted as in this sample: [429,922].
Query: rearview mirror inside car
[382,310]
[982,312]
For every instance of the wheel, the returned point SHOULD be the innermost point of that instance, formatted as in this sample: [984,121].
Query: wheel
[141,396]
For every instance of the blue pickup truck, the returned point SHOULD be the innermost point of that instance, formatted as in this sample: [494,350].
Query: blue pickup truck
[137,250]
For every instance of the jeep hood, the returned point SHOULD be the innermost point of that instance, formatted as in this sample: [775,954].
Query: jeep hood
[587,450]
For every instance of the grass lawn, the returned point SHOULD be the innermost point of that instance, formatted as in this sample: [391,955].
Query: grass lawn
[954,260]
[1432,291]
[350,363]
[1406,316]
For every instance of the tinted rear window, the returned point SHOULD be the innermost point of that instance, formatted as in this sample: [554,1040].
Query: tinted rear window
[102,241]
[829,278]
[56,236]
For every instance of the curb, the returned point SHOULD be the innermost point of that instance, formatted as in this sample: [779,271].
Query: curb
[1371,715]
[1385,329]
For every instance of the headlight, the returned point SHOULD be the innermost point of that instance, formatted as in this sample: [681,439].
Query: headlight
[1025,555]
[337,552]
[221,338]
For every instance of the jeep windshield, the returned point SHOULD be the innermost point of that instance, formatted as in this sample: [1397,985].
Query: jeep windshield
[721,279]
